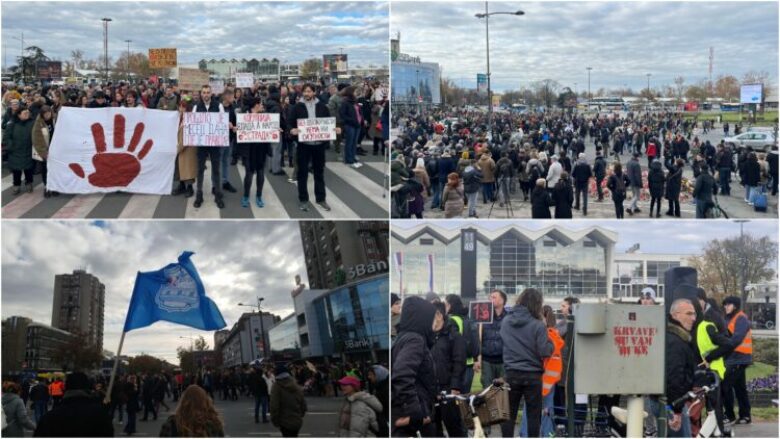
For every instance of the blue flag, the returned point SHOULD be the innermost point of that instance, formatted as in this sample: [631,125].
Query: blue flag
[174,294]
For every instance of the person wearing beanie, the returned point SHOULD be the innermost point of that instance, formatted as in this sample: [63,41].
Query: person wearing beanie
[741,337]
[288,406]
[79,414]
[379,377]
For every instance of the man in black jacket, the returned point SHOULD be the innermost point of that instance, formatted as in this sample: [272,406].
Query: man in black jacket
[79,414]
[259,389]
[414,378]
[207,104]
[600,172]
[680,363]
[449,357]
[582,173]
[310,152]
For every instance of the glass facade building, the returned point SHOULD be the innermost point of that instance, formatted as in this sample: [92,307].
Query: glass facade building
[556,261]
[413,80]
[635,271]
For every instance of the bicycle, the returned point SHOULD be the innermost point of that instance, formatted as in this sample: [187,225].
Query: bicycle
[474,401]
[715,211]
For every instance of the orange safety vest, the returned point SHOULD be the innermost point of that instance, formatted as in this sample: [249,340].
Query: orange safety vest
[553,365]
[746,347]
[57,388]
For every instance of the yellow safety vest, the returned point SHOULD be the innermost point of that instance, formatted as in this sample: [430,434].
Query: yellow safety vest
[706,346]
[459,321]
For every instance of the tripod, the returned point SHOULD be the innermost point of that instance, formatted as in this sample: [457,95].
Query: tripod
[503,187]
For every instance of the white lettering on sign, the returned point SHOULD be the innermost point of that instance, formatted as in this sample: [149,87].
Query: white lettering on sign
[362,343]
[321,129]
[206,129]
[366,269]
[257,127]
[468,241]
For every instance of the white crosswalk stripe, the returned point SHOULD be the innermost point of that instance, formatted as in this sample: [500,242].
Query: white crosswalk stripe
[147,206]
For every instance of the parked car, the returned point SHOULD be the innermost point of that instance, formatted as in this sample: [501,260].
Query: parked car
[757,140]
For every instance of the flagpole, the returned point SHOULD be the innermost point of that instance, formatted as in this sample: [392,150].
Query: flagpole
[107,399]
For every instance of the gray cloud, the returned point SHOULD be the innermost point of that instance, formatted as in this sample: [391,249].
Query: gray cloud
[622,41]
[237,261]
[289,31]
[666,237]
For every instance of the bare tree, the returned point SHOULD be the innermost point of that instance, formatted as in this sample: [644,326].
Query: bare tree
[679,83]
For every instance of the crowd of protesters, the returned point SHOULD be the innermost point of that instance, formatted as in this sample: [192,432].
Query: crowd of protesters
[361,110]
[540,158]
[78,405]
[437,350]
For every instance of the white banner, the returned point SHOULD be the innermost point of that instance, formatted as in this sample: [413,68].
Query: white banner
[257,127]
[245,80]
[206,129]
[113,149]
[320,129]
[217,86]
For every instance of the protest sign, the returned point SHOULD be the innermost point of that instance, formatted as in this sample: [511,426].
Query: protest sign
[113,149]
[257,127]
[481,311]
[320,129]
[217,86]
[245,80]
[162,58]
[192,79]
[206,129]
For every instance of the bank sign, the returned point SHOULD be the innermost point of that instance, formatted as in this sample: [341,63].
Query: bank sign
[361,270]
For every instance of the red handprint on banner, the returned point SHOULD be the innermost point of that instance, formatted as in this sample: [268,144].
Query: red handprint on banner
[115,169]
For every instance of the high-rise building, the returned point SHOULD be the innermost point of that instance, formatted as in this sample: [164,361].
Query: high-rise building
[79,304]
[338,252]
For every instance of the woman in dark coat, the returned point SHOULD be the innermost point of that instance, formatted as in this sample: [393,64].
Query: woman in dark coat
[254,156]
[752,175]
[18,141]
[617,184]
[673,186]
[540,200]
[131,393]
[655,182]
[563,196]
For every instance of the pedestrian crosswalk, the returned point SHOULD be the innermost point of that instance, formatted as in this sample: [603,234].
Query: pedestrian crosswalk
[351,193]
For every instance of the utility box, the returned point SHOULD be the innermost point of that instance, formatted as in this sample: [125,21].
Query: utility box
[619,349]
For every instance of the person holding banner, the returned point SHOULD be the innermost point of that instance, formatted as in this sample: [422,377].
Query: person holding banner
[228,105]
[277,154]
[310,152]
[17,140]
[253,155]
[42,132]
[214,153]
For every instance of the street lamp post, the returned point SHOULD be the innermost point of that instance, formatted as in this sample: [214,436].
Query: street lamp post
[589,95]
[105,21]
[262,330]
[21,53]
[648,83]
[486,16]
[743,274]
[127,67]
[417,89]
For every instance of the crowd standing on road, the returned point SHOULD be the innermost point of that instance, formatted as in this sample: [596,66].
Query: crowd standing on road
[29,118]
[510,159]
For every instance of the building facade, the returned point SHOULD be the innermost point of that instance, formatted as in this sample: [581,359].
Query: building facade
[634,271]
[14,344]
[28,345]
[472,262]
[79,306]
[245,341]
[413,82]
[349,323]
[337,252]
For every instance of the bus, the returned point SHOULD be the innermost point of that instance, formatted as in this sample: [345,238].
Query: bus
[610,103]
[730,106]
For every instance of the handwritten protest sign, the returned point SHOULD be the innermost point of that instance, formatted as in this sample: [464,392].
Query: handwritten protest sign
[217,86]
[162,58]
[206,129]
[320,129]
[481,311]
[192,79]
[257,127]
[245,80]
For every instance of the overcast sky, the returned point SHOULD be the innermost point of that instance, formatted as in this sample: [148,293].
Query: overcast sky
[237,262]
[289,31]
[667,237]
[621,41]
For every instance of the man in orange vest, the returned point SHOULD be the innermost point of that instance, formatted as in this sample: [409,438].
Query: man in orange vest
[737,361]
[57,390]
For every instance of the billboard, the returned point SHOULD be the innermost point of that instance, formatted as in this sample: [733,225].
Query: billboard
[49,69]
[481,83]
[750,93]
[416,83]
[162,58]
[334,63]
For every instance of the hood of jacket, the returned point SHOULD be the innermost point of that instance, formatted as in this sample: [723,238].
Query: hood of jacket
[369,399]
[519,317]
[417,316]
[655,165]
[381,372]
[10,397]
[287,383]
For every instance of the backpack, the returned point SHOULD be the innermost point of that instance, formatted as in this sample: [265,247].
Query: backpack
[470,336]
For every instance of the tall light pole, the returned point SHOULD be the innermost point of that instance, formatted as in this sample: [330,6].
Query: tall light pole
[486,16]
[105,21]
[648,83]
[127,66]
[417,89]
[262,330]
[21,53]
[743,274]
[589,95]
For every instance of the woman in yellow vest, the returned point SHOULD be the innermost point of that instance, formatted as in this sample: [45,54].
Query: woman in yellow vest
[739,360]
[712,346]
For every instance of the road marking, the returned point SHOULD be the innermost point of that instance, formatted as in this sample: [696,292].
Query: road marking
[79,206]
[273,204]
[338,209]
[357,180]
[141,206]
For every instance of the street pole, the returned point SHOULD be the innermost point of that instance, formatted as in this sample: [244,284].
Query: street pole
[743,274]
[648,83]
[127,66]
[105,47]
[262,330]
[589,95]
[487,54]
